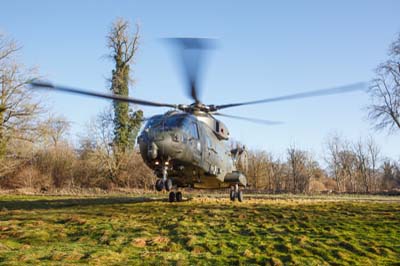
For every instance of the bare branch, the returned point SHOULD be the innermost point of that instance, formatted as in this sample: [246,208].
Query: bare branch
[18,104]
[384,112]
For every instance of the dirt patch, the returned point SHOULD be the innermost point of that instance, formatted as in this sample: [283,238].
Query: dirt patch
[139,242]
[160,240]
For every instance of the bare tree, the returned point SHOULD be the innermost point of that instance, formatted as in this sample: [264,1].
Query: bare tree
[362,166]
[101,132]
[367,157]
[111,166]
[348,169]
[53,130]
[7,48]
[278,176]
[354,166]
[384,111]
[373,151]
[18,105]
[301,168]
[342,162]
[334,147]
[259,169]
[390,175]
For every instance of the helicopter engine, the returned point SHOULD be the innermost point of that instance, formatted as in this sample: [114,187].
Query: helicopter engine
[219,128]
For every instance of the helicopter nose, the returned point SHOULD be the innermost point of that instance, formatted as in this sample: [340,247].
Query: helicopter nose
[152,151]
[160,146]
[167,146]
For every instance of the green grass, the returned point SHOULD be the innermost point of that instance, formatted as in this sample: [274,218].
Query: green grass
[201,231]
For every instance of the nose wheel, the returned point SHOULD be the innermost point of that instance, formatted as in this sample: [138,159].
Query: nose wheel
[166,183]
[161,184]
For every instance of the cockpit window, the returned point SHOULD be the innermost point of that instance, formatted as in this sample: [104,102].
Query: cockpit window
[162,122]
[173,121]
[190,127]
[154,122]
[194,131]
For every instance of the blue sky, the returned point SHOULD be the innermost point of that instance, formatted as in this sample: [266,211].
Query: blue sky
[266,49]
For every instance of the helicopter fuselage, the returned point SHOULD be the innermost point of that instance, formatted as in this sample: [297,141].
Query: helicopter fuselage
[191,148]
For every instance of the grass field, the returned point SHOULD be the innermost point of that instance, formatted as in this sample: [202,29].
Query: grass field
[121,230]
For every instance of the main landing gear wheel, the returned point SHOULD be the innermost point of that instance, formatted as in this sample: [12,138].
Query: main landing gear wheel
[178,196]
[240,195]
[232,195]
[236,193]
[171,196]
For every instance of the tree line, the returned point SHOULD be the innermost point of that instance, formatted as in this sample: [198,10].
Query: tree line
[347,167]
[52,163]
[36,153]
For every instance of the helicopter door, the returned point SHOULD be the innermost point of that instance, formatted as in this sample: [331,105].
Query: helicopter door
[194,141]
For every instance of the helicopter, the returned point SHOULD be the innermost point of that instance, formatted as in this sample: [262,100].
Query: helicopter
[188,146]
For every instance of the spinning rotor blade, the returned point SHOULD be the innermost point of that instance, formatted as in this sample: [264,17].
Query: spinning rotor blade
[342,89]
[49,86]
[254,120]
[190,51]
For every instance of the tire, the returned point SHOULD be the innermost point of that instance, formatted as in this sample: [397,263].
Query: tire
[171,196]
[178,196]
[240,195]
[159,185]
[168,184]
[232,195]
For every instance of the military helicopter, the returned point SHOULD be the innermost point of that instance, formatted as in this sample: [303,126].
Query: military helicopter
[187,146]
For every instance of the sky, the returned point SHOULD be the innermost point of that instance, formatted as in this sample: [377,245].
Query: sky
[265,49]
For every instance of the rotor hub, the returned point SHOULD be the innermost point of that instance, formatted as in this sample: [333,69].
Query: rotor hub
[196,107]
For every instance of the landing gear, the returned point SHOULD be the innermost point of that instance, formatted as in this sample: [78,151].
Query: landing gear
[175,196]
[178,196]
[164,182]
[240,195]
[171,196]
[232,195]
[236,193]
[168,184]
[159,184]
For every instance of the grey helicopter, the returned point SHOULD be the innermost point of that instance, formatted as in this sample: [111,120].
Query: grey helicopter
[188,147]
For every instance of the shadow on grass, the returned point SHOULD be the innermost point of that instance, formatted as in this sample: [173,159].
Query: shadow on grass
[71,202]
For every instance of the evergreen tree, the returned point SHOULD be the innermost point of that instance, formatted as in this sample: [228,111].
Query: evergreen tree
[123,47]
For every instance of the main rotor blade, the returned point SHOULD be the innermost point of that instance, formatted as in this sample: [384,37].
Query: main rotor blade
[254,120]
[337,90]
[190,51]
[50,86]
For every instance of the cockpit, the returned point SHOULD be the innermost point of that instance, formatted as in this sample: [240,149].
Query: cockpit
[160,121]
[178,121]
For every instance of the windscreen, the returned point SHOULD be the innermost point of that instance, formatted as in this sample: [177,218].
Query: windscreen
[174,121]
[154,122]
[165,122]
